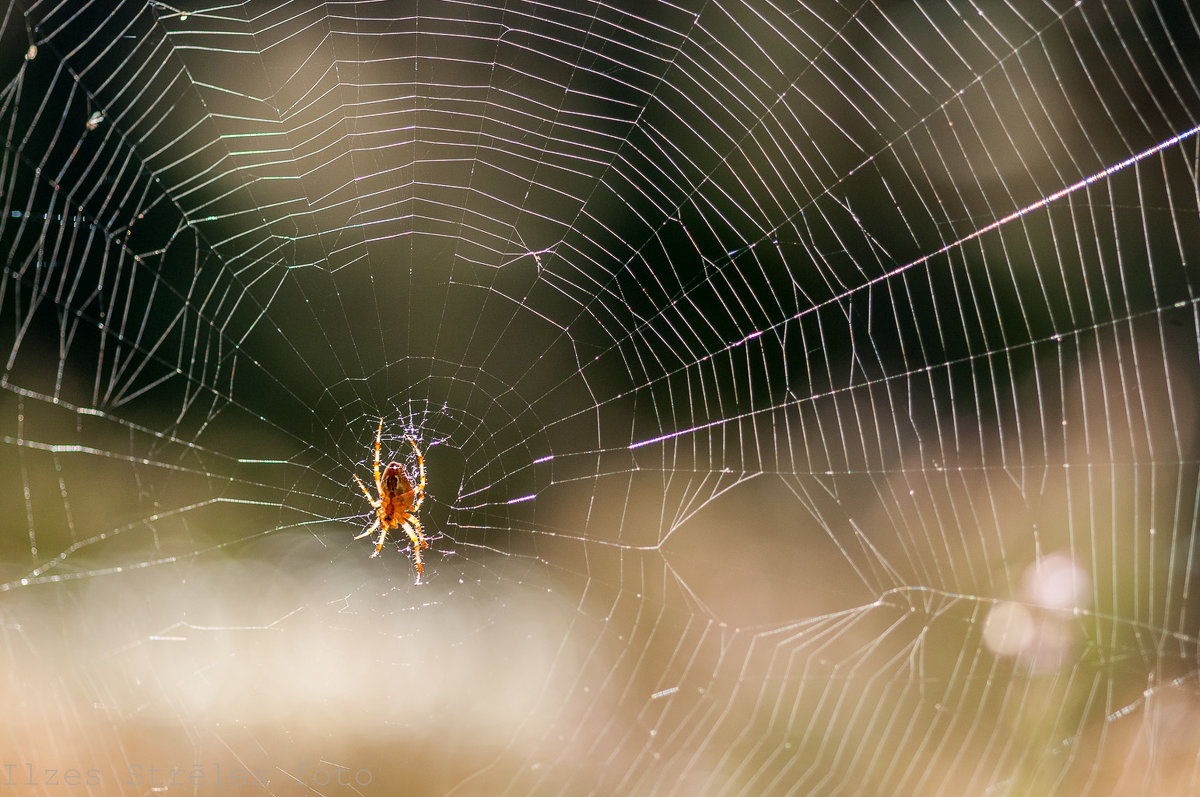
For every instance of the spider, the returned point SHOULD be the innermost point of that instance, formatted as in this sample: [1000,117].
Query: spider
[398,502]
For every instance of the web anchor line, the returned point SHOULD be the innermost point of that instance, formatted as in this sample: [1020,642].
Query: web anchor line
[1016,214]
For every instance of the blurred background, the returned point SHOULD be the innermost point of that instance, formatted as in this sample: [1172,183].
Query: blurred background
[806,392]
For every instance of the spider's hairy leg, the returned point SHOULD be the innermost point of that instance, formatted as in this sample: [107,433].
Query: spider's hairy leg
[378,437]
[382,536]
[416,524]
[374,502]
[416,543]
[370,528]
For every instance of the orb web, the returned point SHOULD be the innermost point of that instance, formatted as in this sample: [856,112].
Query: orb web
[806,393]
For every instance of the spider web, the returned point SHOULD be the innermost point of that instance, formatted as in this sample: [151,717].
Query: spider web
[806,392]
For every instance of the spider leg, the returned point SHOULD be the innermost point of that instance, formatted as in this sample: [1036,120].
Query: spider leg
[416,524]
[416,544]
[370,529]
[374,502]
[379,545]
[378,435]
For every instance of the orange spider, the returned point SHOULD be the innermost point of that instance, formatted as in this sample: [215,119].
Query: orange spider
[398,502]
